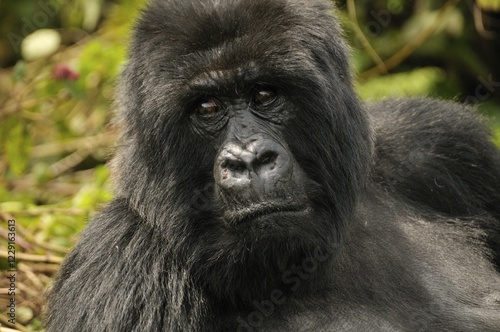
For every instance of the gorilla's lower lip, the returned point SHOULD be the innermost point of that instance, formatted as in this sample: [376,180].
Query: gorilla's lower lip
[263,210]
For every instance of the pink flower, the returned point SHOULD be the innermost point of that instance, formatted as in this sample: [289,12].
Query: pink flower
[64,72]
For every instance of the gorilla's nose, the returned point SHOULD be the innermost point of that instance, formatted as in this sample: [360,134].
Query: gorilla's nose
[253,169]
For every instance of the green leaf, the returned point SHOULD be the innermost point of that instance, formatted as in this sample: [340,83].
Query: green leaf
[17,147]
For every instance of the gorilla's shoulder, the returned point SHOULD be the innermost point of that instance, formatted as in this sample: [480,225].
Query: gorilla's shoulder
[436,152]
[398,118]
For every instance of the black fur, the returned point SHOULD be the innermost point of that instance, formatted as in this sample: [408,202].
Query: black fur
[402,197]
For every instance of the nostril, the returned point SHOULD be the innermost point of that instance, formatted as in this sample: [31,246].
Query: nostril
[232,166]
[268,159]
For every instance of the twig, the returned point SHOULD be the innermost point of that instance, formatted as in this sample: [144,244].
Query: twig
[479,24]
[50,247]
[90,143]
[41,268]
[33,258]
[69,162]
[351,10]
[409,48]
[27,290]
[39,211]
[47,246]
[5,216]
[18,326]
[30,275]
[22,243]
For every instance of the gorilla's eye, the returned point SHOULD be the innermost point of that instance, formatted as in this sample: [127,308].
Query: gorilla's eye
[208,106]
[264,95]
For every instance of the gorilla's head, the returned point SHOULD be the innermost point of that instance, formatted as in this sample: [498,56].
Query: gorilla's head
[243,140]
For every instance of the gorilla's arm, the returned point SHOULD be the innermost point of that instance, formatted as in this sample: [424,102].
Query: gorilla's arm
[120,278]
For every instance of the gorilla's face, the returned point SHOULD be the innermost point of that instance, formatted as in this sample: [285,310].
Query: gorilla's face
[257,179]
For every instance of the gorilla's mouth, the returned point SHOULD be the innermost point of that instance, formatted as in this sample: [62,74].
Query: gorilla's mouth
[256,211]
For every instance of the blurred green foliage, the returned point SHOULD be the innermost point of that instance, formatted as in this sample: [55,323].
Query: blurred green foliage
[56,105]
[417,82]
[489,4]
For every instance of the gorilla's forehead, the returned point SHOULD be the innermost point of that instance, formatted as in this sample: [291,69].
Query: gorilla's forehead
[232,31]
[221,67]
[216,78]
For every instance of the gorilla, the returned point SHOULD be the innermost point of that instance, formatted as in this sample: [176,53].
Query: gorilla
[255,192]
